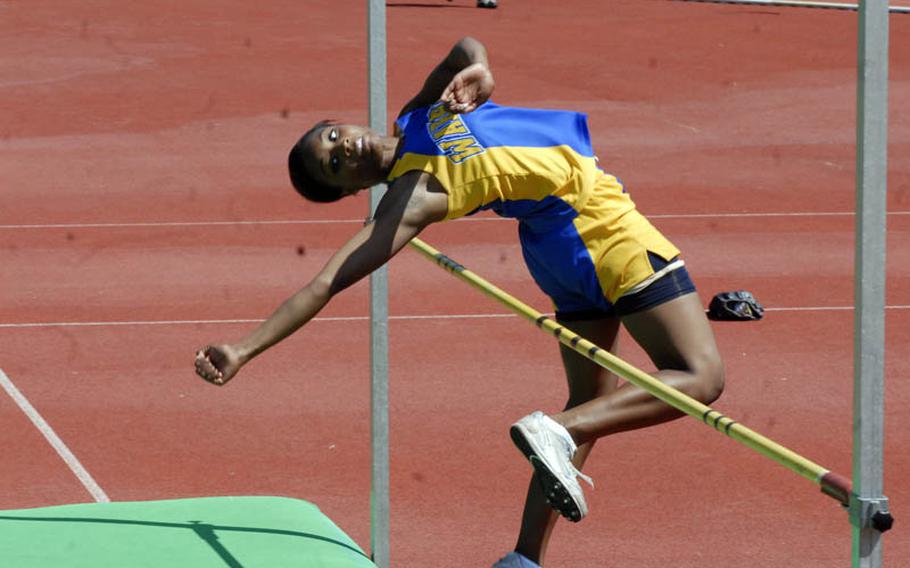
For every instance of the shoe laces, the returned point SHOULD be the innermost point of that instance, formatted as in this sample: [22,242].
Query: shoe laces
[575,471]
[570,467]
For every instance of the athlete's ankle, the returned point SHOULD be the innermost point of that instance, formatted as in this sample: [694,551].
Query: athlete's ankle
[532,553]
[568,425]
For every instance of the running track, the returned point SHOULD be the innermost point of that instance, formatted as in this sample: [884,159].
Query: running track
[144,212]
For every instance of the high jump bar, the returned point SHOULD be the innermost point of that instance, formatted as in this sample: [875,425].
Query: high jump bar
[832,484]
[800,4]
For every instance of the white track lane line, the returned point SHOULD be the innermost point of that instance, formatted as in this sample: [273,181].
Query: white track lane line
[357,318]
[64,452]
[166,224]
[240,321]
[800,4]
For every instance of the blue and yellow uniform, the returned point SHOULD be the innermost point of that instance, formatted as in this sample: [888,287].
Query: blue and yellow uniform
[583,240]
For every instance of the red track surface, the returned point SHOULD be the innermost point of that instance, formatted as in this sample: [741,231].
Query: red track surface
[121,113]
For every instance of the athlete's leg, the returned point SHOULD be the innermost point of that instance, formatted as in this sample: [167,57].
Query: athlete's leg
[679,340]
[587,381]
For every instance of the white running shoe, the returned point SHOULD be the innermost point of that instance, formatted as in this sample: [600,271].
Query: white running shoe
[550,448]
[515,560]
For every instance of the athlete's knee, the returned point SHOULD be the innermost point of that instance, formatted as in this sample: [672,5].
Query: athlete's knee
[709,371]
[703,374]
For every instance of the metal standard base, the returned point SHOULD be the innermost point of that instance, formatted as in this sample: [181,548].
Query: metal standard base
[871,514]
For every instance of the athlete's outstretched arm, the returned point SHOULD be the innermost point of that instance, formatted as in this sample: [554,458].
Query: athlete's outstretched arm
[403,212]
[463,79]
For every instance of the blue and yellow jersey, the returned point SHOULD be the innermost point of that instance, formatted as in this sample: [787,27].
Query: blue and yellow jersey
[524,163]
[579,229]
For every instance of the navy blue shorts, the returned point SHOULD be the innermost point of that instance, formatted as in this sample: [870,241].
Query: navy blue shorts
[668,287]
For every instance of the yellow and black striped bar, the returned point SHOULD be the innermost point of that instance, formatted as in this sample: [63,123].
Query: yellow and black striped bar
[832,484]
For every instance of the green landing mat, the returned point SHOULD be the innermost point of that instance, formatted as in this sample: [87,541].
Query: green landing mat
[214,532]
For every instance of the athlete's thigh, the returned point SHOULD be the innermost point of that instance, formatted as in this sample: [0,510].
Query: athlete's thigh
[587,379]
[675,334]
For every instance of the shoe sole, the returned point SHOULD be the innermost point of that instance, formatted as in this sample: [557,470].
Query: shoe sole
[553,489]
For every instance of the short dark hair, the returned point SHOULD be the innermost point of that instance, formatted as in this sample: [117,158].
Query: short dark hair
[305,184]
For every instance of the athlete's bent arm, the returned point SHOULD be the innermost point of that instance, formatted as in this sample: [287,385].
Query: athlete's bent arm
[414,201]
[463,79]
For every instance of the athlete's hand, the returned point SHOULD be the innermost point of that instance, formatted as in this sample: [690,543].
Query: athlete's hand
[468,89]
[218,364]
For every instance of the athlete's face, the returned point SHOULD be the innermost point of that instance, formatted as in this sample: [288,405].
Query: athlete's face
[345,156]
